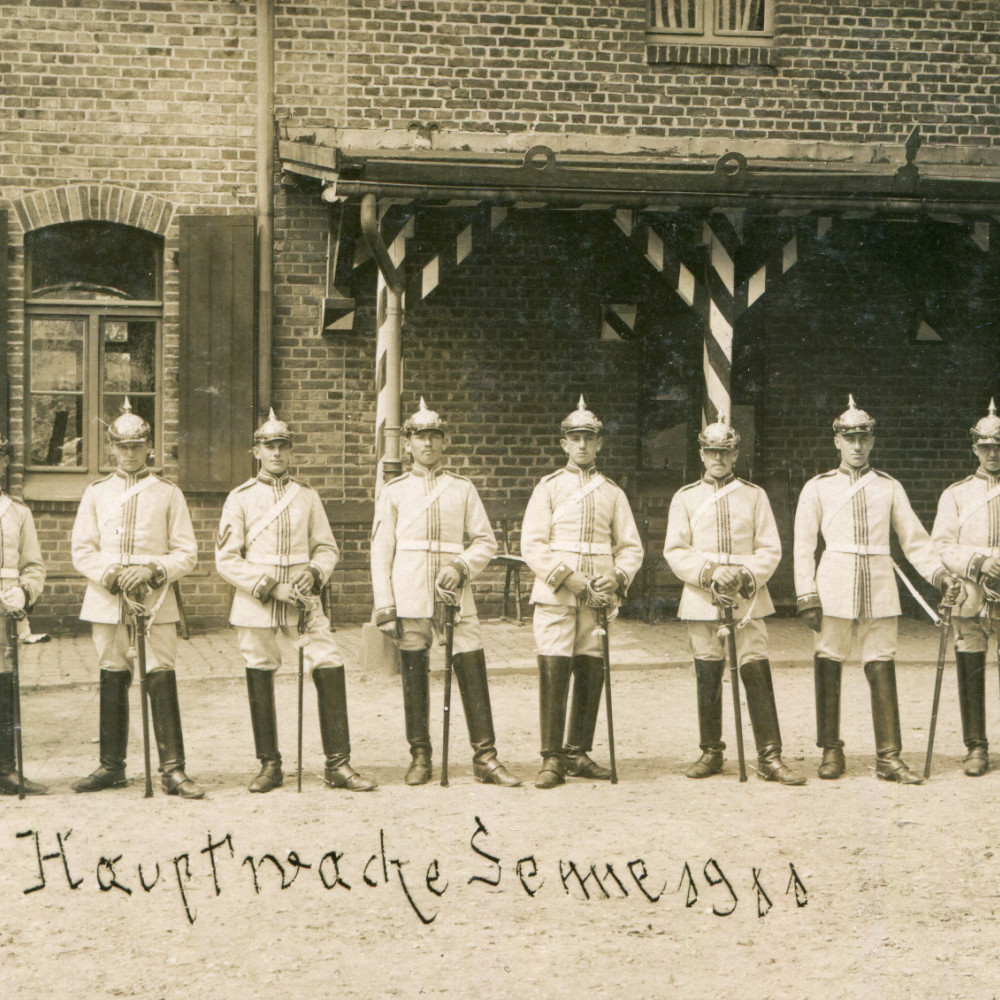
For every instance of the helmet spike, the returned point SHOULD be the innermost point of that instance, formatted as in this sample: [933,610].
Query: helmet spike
[987,430]
[425,419]
[581,419]
[853,420]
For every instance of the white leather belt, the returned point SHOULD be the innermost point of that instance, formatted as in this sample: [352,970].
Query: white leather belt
[859,550]
[429,545]
[724,558]
[584,548]
[9,574]
[292,559]
[138,559]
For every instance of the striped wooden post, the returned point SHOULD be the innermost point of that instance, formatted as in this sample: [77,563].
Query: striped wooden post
[388,356]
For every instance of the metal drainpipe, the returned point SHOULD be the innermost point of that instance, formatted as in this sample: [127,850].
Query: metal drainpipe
[265,200]
[392,459]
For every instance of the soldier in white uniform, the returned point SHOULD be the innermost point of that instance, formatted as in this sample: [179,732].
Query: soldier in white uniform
[418,550]
[133,536]
[22,577]
[721,533]
[967,536]
[275,546]
[579,538]
[852,593]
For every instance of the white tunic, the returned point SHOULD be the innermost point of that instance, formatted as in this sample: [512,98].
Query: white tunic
[20,555]
[578,521]
[129,519]
[271,528]
[853,510]
[714,523]
[967,532]
[422,521]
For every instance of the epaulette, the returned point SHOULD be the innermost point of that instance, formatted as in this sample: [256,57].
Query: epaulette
[17,500]
[103,479]
[608,479]
[455,475]
[690,486]
[245,485]
[552,475]
[398,479]
[746,482]
[884,475]
[826,475]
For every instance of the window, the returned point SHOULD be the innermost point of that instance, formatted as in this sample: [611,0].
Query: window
[717,31]
[93,331]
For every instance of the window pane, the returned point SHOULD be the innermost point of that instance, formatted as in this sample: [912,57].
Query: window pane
[676,14]
[740,15]
[56,354]
[129,355]
[56,430]
[91,260]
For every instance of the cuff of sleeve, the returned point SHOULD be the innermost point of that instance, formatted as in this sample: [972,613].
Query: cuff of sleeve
[463,569]
[940,575]
[748,583]
[558,576]
[264,588]
[385,615]
[317,575]
[705,576]
[807,603]
[975,567]
[29,601]
[110,579]
[623,581]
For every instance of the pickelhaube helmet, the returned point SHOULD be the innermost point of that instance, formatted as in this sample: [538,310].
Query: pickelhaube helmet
[581,419]
[129,427]
[853,420]
[987,430]
[719,435]
[272,429]
[423,420]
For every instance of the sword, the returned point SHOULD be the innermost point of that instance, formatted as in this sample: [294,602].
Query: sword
[602,630]
[932,614]
[301,629]
[725,604]
[13,616]
[945,625]
[139,617]
[452,614]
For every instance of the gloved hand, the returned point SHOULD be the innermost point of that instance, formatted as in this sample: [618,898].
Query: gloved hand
[813,617]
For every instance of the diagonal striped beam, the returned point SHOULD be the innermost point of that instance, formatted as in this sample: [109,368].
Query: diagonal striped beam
[471,237]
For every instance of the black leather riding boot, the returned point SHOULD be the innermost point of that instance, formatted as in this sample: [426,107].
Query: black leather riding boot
[881,676]
[826,677]
[331,697]
[264,721]
[8,756]
[588,686]
[113,733]
[166,712]
[416,711]
[756,676]
[553,692]
[972,705]
[470,672]
[708,680]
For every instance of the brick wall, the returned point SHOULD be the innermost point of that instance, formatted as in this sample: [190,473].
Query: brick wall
[847,71]
[845,322]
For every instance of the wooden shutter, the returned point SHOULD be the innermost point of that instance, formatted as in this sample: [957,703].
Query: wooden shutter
[217,357]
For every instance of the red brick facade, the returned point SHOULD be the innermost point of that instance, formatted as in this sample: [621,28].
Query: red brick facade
[157,99]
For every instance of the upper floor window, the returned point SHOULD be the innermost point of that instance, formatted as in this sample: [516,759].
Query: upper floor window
[709,30]
[93,319]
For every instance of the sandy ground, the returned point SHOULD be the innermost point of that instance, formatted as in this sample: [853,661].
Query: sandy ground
[645,889]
